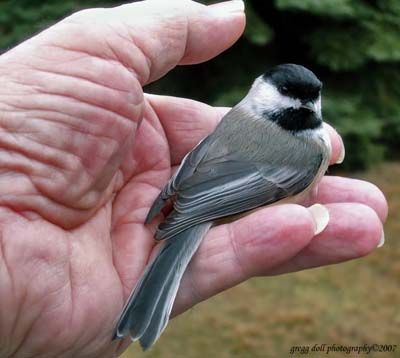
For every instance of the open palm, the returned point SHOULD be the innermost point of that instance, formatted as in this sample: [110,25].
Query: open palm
[83,153]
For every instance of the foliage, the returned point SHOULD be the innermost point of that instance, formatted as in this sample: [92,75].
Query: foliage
[353,45]
[356,45]
[257,31]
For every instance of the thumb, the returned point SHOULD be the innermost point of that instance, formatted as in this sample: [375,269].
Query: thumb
[152,37]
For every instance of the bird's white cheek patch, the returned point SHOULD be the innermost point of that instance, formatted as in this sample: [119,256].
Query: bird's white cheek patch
[318,106]
[266,97]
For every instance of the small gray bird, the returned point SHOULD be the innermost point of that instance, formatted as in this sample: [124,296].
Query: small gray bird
[269,147]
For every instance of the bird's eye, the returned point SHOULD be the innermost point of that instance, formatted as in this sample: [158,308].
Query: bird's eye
[284,90]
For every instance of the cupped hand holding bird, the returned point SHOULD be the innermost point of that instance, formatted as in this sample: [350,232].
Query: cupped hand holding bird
[79,175]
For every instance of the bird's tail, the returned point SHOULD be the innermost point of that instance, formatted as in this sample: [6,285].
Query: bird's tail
[147,311]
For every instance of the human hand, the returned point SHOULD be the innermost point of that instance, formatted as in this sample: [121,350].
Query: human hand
[79,175]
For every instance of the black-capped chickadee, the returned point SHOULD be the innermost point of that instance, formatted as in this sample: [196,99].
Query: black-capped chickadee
[270,146]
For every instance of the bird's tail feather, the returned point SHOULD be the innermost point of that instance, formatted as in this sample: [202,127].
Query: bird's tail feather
[147,311]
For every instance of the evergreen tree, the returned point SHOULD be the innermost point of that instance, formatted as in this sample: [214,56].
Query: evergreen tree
[352,45]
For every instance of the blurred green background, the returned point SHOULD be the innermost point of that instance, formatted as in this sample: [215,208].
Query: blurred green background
[354,47]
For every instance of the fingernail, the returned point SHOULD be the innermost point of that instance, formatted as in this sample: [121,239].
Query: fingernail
[382,240]
[320,215]
[233,6]
[341,155]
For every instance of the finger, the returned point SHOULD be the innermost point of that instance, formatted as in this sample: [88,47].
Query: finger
[163,34]
[234,252]
[338,150]
[185,122]
[334,189]
[354,230]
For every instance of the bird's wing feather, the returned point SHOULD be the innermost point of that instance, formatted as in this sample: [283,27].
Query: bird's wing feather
[235,169]
[186,169]
[225,188]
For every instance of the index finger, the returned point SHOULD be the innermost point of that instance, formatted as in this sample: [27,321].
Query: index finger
[186,122]
[338,150]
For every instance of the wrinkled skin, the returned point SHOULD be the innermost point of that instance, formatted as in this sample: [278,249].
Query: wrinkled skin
[78,175]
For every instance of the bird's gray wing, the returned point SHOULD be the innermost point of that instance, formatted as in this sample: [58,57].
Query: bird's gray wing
[201,153]
[220,188]
[186,169]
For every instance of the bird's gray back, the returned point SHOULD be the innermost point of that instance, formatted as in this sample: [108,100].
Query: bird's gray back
[245,163]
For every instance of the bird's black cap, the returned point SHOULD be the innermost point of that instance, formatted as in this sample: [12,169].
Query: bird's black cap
[295,81]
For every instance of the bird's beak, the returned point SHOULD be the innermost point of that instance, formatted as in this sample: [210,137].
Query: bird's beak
[309,106]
